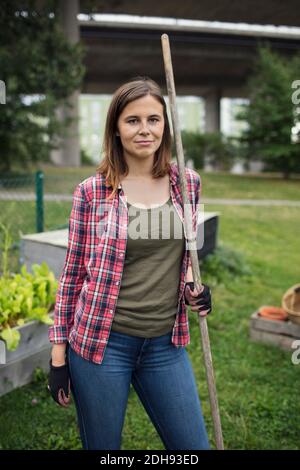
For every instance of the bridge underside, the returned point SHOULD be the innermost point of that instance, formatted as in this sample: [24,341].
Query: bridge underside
[247,11]
[201,61]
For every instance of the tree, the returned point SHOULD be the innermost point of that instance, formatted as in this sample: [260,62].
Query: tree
[271,113]
[36,60]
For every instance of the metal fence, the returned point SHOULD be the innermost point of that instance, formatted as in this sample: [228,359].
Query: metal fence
[35,203]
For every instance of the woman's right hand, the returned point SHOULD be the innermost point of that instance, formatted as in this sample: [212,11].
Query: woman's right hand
[199,300]
[59,378]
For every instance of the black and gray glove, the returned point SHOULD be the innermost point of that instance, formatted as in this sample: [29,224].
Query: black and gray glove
[59,384]
[200,302]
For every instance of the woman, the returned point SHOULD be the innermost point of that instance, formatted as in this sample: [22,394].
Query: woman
[120,313]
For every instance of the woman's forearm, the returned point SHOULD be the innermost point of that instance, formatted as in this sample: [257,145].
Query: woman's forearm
[58,354]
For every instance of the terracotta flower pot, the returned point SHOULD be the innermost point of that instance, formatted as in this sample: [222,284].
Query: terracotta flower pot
[273,313]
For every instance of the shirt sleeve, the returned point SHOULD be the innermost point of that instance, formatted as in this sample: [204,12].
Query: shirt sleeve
[74,272]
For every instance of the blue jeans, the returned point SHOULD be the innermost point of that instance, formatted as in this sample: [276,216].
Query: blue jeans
[161,375]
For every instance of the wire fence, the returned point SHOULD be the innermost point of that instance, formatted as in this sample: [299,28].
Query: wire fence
[34,203]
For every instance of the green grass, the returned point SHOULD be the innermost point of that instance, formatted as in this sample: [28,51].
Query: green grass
[224,185]
[215,185]
[257,384]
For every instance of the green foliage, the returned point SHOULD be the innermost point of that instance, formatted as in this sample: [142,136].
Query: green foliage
[214,148]
[224,265]
[85,158]
[271,114]
[36,60]
[194,147]
[25,297]
[5,246]
[11,337]
[40,376]
[220,150]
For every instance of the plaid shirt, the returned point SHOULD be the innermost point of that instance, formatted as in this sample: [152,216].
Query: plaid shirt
[90,281]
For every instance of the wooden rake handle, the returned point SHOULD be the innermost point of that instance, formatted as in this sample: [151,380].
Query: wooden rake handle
[192,242]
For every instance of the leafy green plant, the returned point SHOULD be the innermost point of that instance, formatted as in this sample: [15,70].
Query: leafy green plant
[25,297]
[225,264]
[40,376]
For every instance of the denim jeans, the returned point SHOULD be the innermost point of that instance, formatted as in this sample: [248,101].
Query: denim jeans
[163,379]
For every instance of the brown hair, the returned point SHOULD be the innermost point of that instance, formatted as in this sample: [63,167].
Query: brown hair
[113,164]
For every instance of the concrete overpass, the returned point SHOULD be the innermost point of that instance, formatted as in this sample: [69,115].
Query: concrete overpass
[209,60]
[203,59]
[274,12]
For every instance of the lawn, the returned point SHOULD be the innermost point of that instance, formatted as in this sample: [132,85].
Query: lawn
[215,185]
[264,186]
[257,384]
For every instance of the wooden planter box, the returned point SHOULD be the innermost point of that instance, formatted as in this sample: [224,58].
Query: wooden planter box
[17,367]
[275,332]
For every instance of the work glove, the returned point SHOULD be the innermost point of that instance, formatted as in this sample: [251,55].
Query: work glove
[200,302]
[59,384]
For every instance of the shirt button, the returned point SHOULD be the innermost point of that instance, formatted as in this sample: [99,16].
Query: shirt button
[121,255]
[117,283]
[111,311]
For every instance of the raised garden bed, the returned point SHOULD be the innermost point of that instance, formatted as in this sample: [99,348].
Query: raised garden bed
[17,367]
[275,332]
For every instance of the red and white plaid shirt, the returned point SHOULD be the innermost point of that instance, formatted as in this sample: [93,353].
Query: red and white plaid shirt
[89,285]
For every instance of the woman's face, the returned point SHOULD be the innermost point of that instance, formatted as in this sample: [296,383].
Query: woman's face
[141,127]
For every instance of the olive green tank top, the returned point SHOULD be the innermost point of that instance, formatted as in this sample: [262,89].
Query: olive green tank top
[148,297]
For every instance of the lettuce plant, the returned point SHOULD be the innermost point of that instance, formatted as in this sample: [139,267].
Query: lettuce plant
[25,297]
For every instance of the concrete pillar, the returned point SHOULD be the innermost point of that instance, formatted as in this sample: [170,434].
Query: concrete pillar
[213,111]
[69,152]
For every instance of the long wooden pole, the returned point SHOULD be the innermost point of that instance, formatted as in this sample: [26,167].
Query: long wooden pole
[192,240]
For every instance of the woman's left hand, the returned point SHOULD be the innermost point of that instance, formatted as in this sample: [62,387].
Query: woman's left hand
[200,300]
